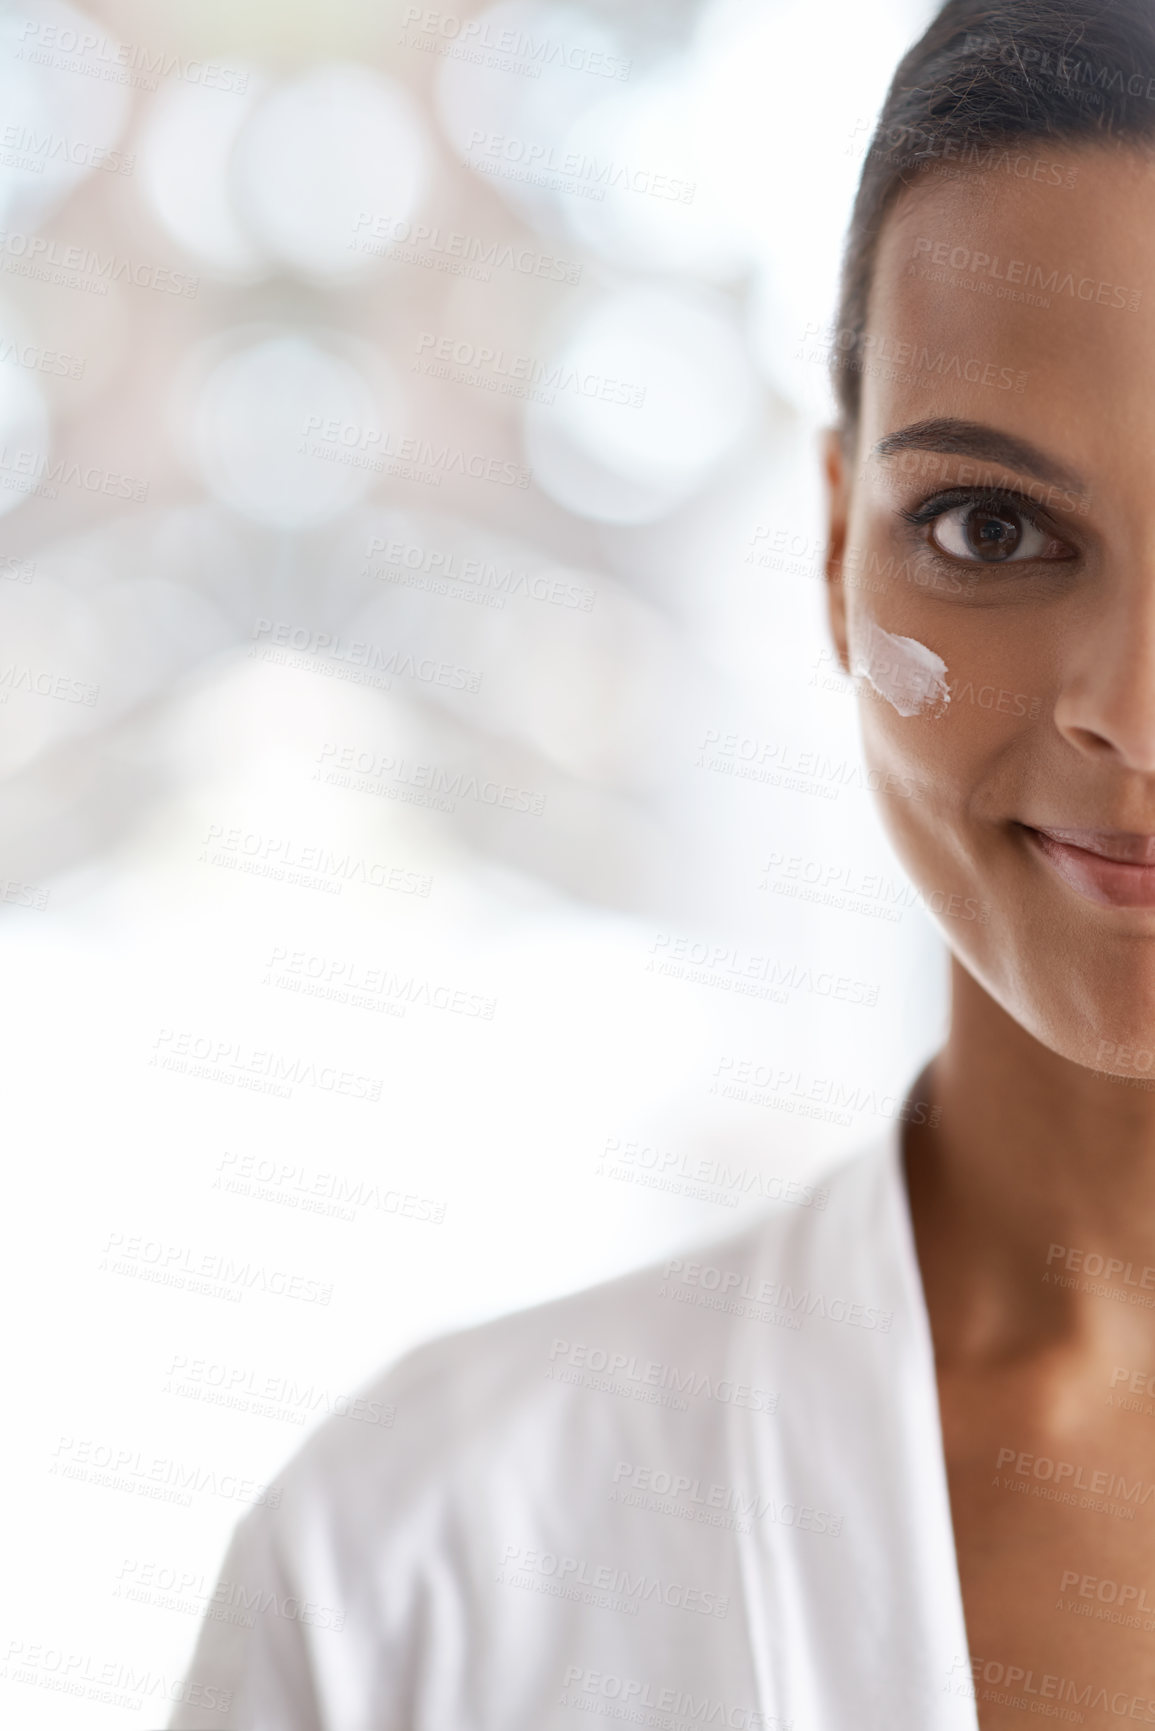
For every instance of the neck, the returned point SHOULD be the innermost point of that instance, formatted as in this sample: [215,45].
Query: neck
[1036,1167]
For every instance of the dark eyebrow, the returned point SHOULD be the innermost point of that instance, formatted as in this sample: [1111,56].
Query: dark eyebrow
[973,439]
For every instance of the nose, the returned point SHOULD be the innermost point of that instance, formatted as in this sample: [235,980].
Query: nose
[1106,704]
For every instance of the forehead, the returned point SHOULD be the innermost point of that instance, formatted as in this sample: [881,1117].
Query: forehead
[1026,303]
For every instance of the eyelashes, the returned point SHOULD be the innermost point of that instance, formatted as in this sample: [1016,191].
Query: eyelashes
[988,526]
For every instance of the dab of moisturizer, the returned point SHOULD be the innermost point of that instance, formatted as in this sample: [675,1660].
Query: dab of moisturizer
[911,677]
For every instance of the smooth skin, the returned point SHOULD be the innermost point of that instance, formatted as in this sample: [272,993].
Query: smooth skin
[1046,1083]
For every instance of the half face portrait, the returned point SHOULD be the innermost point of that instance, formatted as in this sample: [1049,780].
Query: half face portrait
[577,778]
[992,516]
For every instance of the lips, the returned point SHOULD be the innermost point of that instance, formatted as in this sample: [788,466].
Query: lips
[1115,868]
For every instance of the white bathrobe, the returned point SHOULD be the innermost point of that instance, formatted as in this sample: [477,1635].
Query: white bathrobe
[708,1494]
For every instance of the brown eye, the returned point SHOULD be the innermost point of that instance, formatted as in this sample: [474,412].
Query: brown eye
[992,534]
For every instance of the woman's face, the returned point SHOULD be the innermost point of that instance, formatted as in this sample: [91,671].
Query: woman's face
[995,532]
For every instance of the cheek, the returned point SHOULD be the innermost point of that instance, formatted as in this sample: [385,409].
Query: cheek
[932,778]
[951,776]
[921,780]
[955,684]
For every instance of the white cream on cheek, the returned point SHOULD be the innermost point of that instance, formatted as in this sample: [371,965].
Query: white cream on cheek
[911,677]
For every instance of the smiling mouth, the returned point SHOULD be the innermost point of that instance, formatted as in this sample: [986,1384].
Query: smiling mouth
[1115,868]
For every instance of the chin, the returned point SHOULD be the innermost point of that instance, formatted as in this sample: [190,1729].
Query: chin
[1101,1018]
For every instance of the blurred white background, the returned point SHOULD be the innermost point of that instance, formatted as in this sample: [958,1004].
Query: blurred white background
[418,736]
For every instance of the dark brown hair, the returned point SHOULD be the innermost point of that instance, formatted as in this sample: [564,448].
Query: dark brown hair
[980,79]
